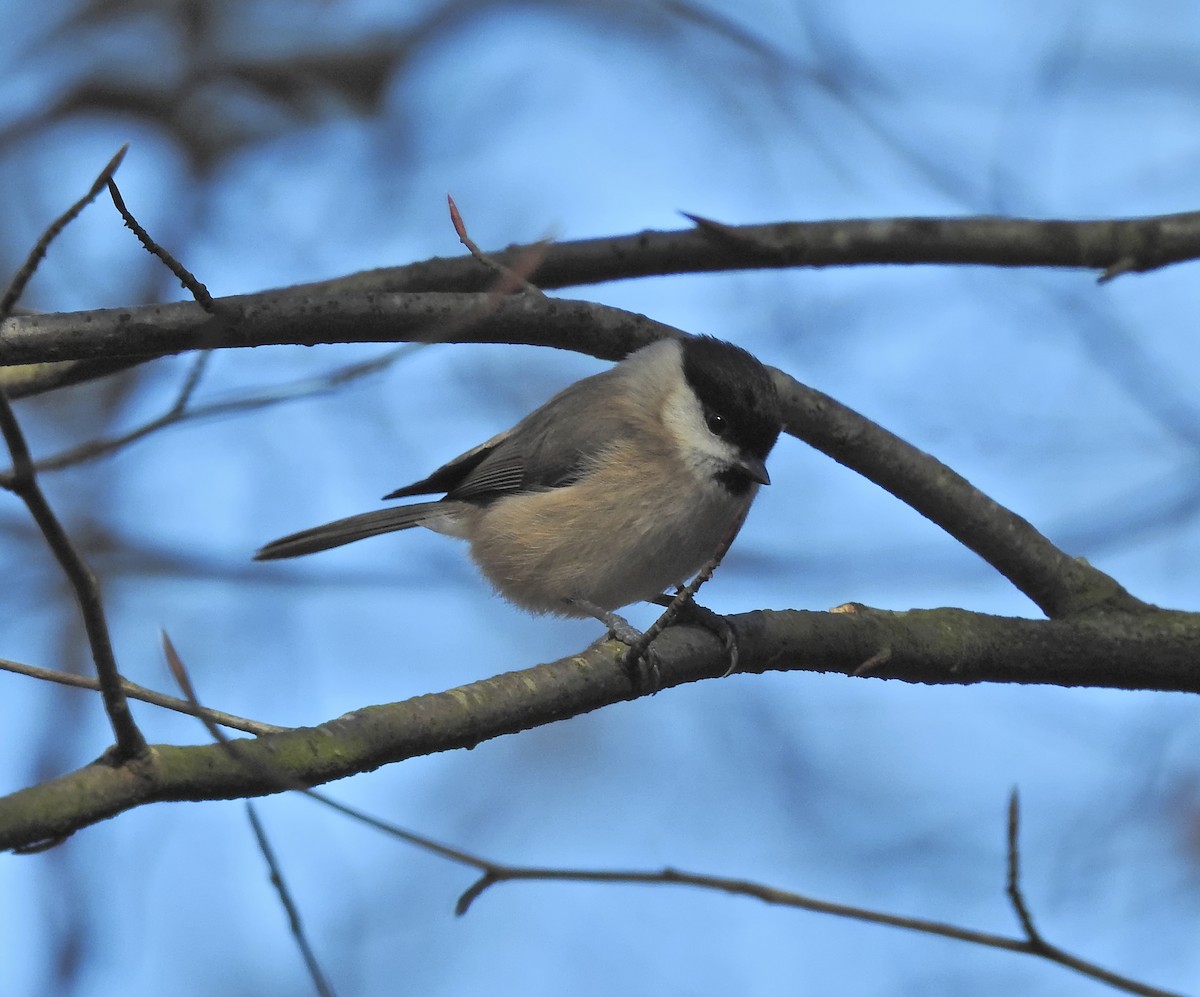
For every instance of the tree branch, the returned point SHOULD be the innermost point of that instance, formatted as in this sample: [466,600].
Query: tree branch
[140,692]
[23,482]
[1135,244]
[946,646]
[493,873]
[1059,585]
[290,909]
[1113,246]
[1110,246]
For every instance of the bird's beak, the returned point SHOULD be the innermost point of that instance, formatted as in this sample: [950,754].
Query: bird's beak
[755,469]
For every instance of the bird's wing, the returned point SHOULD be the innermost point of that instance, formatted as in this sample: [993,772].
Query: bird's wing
[543,451]
[453,473]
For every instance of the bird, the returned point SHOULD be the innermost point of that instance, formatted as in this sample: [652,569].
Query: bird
[622,485]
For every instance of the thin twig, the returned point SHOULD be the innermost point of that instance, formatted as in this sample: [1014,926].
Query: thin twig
[510,278]
[180,673]
[1013,884]
[23,482]
[180,412]
[17,287]
[395,831]
[1034,942]
[186,277]
[496,872]
[190,383]
[289,905]
[235,749]
[140,692]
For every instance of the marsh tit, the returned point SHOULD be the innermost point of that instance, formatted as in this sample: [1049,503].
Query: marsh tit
[621,486]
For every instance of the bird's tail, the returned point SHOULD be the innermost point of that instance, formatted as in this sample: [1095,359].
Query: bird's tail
[344,531]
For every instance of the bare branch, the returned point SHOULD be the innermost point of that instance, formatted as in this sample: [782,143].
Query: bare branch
[130,743]
[493,873]
[1124,245]
[186,278]
[1058,584]
[1156,650]
[1013,883]
[289,905]
[1110,246]
[180,411]
[508,278]
[1035,944]
[17,286]
[139,692]
[26,380]
[1097,245]
[129,740]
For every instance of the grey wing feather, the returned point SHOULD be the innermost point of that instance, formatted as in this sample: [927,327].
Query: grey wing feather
[544,450]
[451,474]
[551,447]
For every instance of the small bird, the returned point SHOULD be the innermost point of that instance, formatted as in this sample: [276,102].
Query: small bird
[622,485]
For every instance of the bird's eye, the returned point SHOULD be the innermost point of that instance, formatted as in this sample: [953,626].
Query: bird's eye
[716,423]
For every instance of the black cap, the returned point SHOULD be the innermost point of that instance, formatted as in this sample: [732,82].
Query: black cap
[736,392]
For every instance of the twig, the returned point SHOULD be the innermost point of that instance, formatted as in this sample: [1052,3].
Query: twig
[139,692]
[1036,944]
[179,412]
[193,286]
[496,872]
[237,750]
[510,278]
[23,482]
[17,287]
[180,673]
[190,383]
[186,278]
[1013,884]
[420,840]
[289,905]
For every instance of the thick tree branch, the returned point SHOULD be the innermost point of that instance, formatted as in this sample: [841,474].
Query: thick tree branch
[1110,246]
[1058,584]
[1155,650]
[312,318]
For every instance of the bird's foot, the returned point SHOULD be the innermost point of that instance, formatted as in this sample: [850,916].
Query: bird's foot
[640,663]
[682,609]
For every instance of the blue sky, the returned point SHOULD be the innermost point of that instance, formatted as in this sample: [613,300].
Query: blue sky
[1071,403]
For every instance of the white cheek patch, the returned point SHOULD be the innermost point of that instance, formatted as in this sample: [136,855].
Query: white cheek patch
[683,419]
